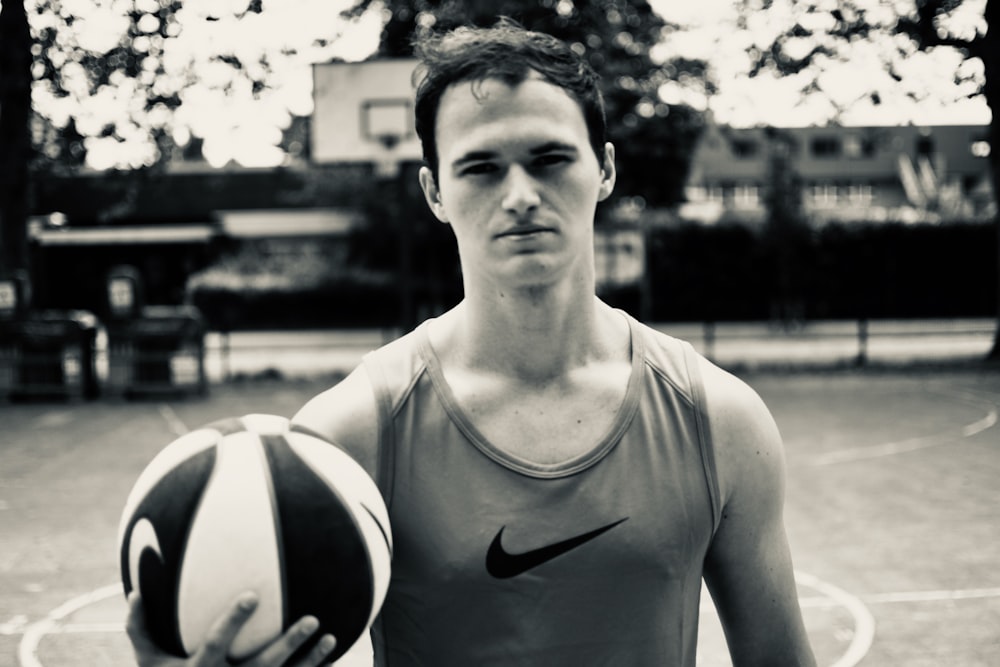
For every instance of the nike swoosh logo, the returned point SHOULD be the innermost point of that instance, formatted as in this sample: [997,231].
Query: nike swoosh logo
[504,565]
[141,538]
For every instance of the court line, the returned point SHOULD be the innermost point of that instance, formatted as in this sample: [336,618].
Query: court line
[33,634]
[913,444]
[907,596]
[830,596]
[175,423]
[933,596]
[28,648]
[864,622]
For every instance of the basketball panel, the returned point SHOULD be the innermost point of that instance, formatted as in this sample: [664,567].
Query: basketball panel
[326,561]
[166,460]
[340,471]
[233,547]
[154,540]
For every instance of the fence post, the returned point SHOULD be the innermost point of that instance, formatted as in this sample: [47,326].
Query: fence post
[224,354]
[862,358]
[709,333]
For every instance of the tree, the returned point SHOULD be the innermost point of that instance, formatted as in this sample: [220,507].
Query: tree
[654,139]
[15,106]
[81,81]
[786,234]
[815,34]
[48,52]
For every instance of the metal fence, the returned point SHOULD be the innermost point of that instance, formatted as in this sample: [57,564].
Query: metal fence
[730,344]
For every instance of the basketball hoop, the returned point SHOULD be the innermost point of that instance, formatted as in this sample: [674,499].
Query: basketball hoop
[386,123]
[357,104]
[387,161]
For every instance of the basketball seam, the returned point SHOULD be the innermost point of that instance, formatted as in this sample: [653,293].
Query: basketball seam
[279,538]
[182,553]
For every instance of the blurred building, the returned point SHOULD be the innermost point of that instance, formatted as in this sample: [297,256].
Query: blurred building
[864,174]
[175,223]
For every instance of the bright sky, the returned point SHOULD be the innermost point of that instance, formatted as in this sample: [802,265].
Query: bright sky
[711,34]
[237,127]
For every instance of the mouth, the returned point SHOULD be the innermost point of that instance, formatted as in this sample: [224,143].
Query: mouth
[524,231]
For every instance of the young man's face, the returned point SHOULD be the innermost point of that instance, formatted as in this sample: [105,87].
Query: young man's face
[518,180]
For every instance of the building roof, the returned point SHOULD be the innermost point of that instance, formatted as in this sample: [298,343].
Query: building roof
[838,153]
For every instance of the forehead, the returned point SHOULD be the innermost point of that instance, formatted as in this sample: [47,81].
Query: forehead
[491,115]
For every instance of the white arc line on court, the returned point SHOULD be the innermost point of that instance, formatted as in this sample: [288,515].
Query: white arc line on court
[911,444]
[27,650]
[175,423]
[933,596]
[864,622]
[903,597]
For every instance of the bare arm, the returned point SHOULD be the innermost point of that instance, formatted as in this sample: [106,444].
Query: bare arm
[749,566]
[346,414]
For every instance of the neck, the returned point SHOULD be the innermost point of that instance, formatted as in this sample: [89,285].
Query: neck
[533,334]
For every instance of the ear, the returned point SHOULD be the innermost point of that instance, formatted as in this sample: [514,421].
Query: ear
[608,173]
[432,194]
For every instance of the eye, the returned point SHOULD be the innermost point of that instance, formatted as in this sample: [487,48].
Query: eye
[478,169]
[550,160]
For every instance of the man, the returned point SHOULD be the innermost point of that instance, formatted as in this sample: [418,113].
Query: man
[559,476]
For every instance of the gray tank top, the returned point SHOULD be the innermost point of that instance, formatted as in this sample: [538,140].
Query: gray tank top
[498,561]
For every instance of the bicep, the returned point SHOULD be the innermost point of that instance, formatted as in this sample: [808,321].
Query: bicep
[748,567]
[346,414]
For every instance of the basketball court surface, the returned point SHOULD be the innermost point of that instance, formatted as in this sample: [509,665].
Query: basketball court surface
[891,511]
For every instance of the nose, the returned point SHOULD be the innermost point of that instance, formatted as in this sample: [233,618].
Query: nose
[520,192]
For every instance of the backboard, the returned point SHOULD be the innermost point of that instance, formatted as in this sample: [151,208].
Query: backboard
[363,112]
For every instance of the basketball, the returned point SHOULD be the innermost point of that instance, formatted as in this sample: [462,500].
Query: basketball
[254,503]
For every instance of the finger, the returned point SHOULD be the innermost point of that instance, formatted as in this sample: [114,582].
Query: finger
[223,631]
[282,648]
[146,651]
[319,655]
[135,622]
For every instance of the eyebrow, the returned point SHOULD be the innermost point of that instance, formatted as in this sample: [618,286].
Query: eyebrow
[552,147]
[473,156]
[548,147]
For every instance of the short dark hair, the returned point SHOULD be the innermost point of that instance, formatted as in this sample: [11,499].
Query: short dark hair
[511,53]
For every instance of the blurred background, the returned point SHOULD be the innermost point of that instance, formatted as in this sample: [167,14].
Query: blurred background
[178,178]
[196,193]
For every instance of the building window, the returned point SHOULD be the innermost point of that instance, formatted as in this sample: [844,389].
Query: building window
[825,147]
[852,146]
[823,194]
[980,148]
[716,193]
[696,193]
[860,194]
[925,145]
[856,146]
[746,196]
[745,148]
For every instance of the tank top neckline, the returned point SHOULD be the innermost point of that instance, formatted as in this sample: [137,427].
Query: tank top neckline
[571,466]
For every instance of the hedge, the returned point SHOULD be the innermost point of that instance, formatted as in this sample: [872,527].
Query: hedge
[696,273]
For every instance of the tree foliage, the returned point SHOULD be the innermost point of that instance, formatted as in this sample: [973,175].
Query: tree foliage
[82,77]
[654,140]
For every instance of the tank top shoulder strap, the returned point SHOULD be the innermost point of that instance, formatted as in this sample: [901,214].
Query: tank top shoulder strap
[706,445]
[392,369]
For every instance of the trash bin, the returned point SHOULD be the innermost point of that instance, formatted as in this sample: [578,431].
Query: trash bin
[162,350]
[49,354]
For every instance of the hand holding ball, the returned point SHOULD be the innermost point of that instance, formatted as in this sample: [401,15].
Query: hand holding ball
[255,504]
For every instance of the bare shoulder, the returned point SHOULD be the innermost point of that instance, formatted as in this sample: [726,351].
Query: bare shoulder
[747,442]
[748,568]
[346,414]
